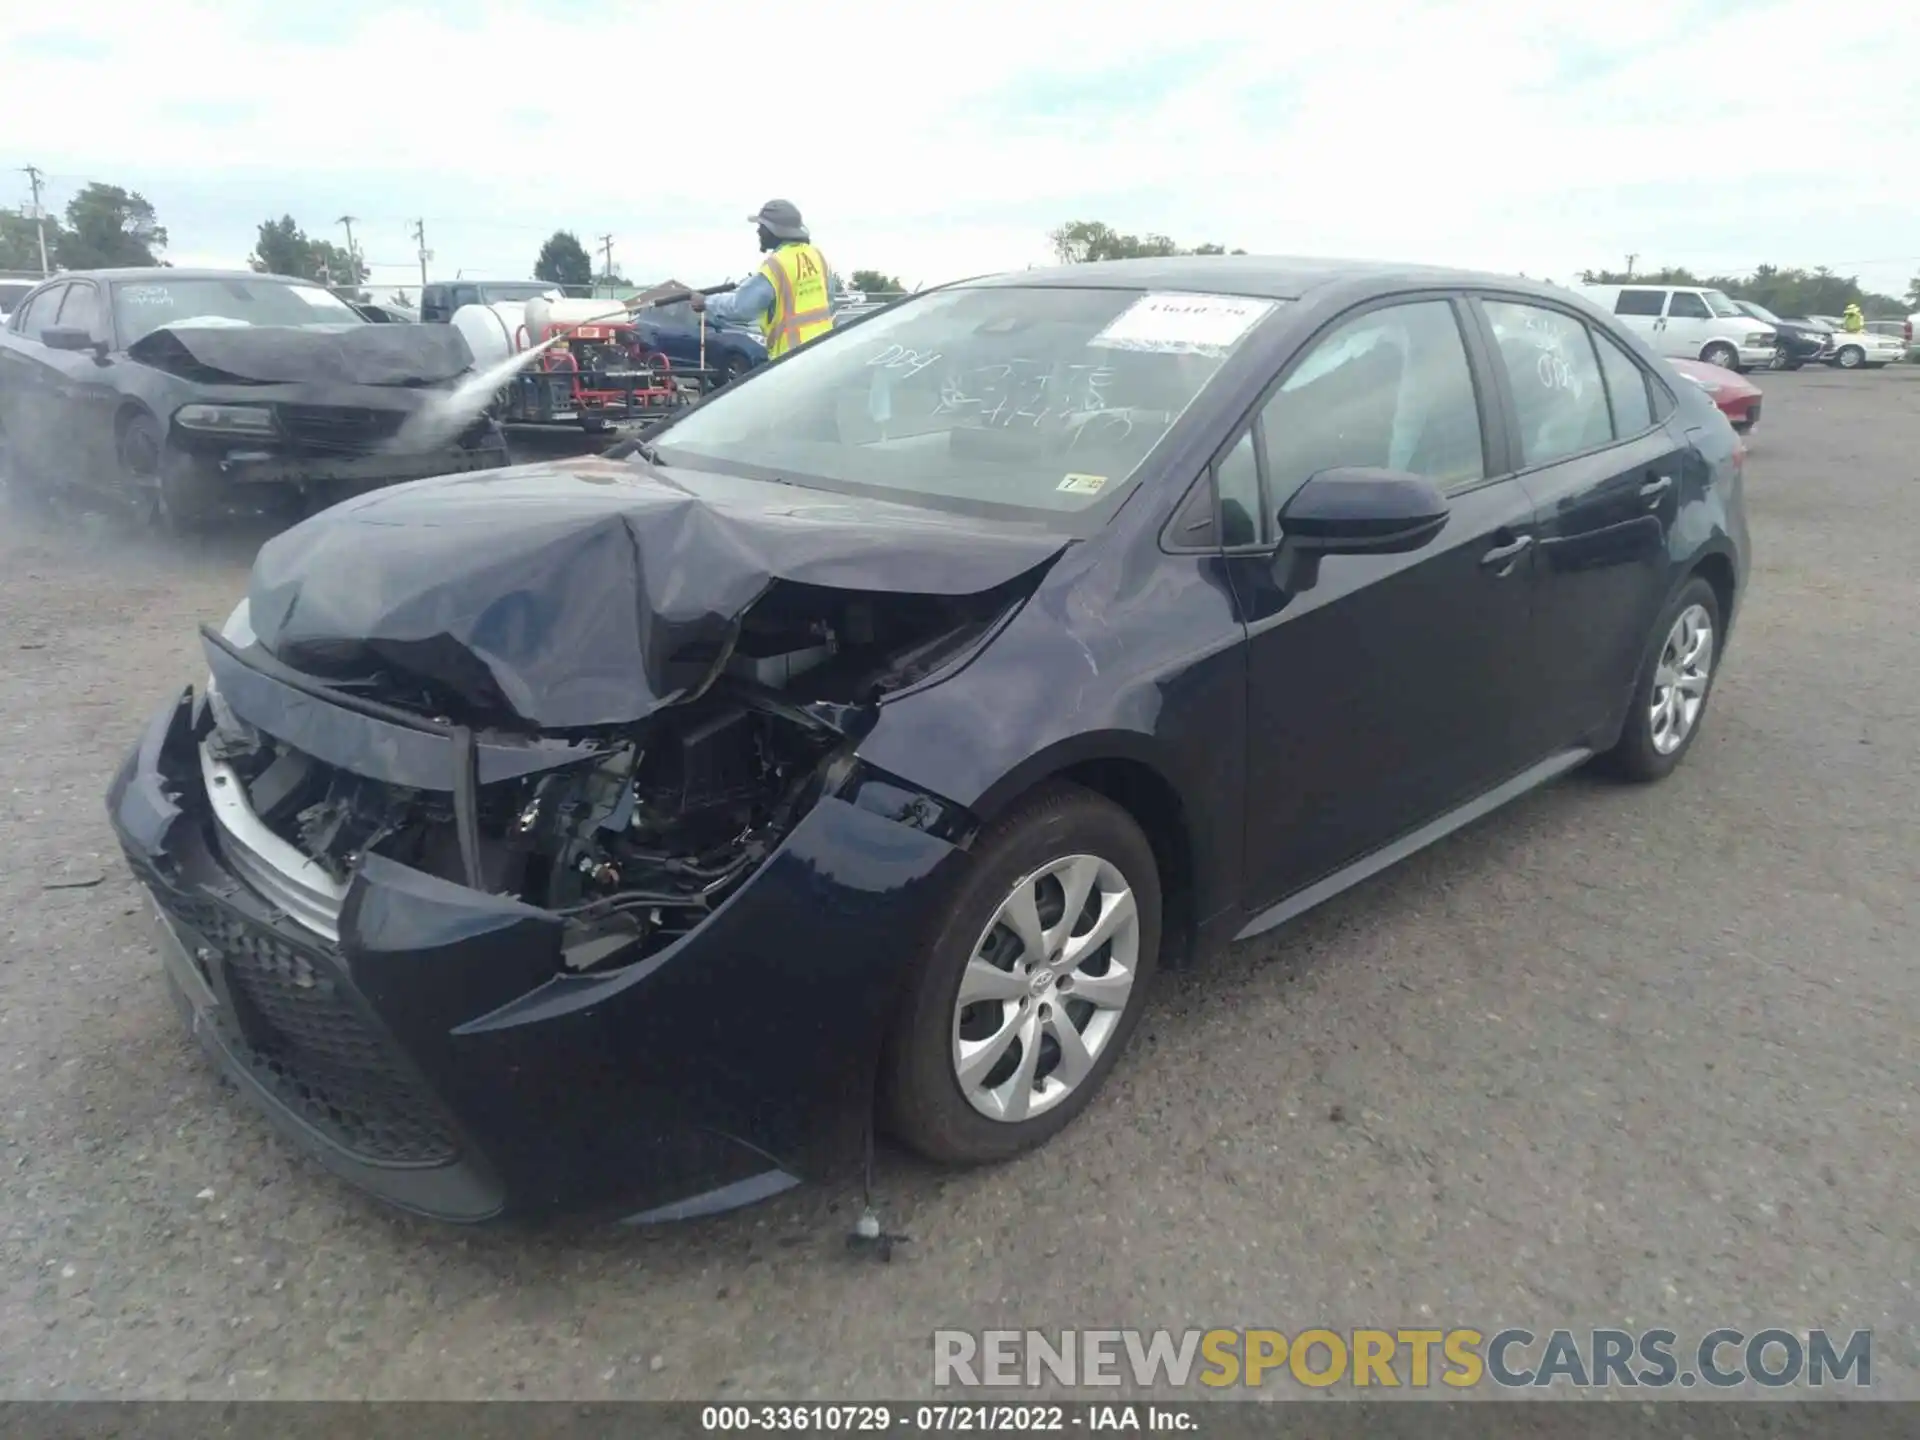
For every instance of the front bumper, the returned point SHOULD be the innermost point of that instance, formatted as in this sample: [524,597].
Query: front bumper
[439,1057]
[242,467]
[1755,354]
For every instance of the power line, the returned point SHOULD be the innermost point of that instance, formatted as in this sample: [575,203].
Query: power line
[38,215]
[606,248]
[420,239]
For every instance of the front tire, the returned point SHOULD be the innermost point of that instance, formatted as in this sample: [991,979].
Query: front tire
[1034,982]
[1722,354]
[1670,695]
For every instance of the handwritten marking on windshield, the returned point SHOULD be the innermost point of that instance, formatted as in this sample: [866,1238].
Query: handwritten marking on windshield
[899,357]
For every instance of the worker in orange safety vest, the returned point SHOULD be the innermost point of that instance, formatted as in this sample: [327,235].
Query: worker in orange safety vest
[792,295]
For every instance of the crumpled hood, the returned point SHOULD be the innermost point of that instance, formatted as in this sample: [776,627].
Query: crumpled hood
[565,591]
[274,354]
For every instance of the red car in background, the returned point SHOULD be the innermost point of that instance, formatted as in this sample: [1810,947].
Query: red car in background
[1738,398]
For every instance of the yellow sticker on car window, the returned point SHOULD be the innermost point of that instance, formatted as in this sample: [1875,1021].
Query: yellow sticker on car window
[1083,484]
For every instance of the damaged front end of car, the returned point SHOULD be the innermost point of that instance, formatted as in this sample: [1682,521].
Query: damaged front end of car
[633,835]
[480,963]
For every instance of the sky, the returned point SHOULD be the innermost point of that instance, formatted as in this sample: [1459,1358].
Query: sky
[943,141]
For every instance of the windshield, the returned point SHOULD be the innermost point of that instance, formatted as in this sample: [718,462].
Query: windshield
[1038,399]
[143,306]
[1721,305]
[1760,312]
[12,292]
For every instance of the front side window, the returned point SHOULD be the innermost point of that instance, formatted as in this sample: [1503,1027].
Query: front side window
[1039,399]
[1686,305]
[1237,480]
[37,314]
[144,306]
[81,310]
[1391,390]
[1626,389]
[1559,401]
[1640,302]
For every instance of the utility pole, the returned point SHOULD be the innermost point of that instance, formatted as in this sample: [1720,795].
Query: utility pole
[420,239]
[606,248]
[353,256]
[37,213]
[1630,260]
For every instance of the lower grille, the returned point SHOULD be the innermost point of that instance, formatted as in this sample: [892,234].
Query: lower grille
[339,429]
[305,1040]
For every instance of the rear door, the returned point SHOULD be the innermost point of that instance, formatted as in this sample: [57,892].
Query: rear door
[1379,698]
[1640,308]
[27,381]
[1605,473]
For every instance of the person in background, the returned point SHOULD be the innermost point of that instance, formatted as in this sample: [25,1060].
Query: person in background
[1852,319]
[792,295]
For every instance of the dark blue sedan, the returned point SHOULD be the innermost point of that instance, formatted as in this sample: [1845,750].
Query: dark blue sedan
[636,832]
[674,331]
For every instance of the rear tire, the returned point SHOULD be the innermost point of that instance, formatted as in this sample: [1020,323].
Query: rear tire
[1850,357]
[1671,692]
[1059,840]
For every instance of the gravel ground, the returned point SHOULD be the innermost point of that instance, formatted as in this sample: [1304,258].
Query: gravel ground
[1613,1056]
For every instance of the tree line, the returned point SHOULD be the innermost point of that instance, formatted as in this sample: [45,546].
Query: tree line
[1785,290]
[106,225]
[103,225]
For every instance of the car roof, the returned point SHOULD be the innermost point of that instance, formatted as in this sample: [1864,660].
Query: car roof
[168,272]
[1268,277]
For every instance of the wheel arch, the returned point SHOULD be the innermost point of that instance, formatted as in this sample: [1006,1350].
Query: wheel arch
[1716,568]
[1128,769]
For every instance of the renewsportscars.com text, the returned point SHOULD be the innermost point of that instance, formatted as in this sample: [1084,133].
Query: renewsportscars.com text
[1458,1359]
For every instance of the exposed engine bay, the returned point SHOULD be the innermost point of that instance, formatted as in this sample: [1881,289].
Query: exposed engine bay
[668,816]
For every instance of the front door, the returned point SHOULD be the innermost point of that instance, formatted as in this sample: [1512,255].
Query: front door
[1689,325]
[1380,697]
[83,395]
[1607,477]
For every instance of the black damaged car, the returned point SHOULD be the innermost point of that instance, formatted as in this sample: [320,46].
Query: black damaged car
[191,394]
[633,832]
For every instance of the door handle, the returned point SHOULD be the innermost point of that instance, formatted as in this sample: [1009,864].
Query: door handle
[1655,488]
[1501,559]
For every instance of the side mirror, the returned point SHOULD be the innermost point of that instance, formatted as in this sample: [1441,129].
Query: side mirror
[1355,511]
[66,337]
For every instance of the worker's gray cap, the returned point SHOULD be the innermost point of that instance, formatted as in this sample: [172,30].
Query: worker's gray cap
[781,219]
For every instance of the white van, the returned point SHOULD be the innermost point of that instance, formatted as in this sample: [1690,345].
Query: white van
[1688,322]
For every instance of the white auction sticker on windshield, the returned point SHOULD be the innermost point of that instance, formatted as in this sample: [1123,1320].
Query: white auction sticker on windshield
[1183,324]
[1083,484]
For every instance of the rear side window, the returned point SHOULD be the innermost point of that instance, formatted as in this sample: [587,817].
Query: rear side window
[1687,306]
[1626,388]
[1390,389]
[1559,400]
[1640,302]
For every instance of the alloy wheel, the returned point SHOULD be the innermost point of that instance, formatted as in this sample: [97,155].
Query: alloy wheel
[1045,988]
[1680,679]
